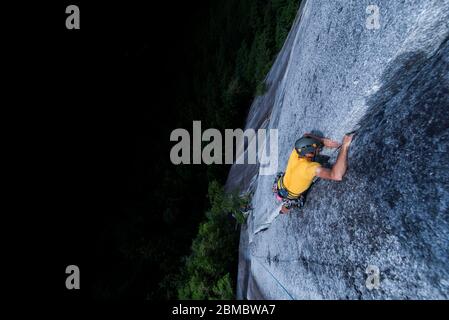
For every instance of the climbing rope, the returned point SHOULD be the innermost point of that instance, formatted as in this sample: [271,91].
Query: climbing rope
[309,261]
[278,282]
[301,258]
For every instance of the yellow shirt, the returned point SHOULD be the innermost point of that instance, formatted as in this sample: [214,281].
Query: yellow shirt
[299,173]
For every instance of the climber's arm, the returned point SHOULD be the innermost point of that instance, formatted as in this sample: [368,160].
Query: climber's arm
[339,169]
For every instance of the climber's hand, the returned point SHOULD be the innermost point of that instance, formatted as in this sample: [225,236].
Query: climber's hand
[347,140]
[330,143]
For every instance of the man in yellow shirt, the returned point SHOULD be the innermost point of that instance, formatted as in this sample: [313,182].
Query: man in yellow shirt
[302,169]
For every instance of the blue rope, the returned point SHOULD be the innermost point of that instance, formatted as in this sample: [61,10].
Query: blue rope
[291,297]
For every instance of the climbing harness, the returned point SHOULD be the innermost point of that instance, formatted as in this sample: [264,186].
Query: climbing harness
[289,199]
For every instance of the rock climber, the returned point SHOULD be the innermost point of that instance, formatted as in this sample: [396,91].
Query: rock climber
[302,169]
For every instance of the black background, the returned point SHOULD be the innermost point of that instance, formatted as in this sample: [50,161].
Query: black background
[94,102]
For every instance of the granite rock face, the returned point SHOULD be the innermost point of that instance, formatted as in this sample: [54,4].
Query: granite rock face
[391,209]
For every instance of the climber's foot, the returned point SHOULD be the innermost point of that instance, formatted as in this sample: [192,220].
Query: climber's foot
[284,210]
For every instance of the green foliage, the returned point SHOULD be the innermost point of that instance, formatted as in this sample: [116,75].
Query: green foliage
[208,269]
[262,56]
[285,14]
[239,217]
[243,39]
[244,204]
[223,289]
